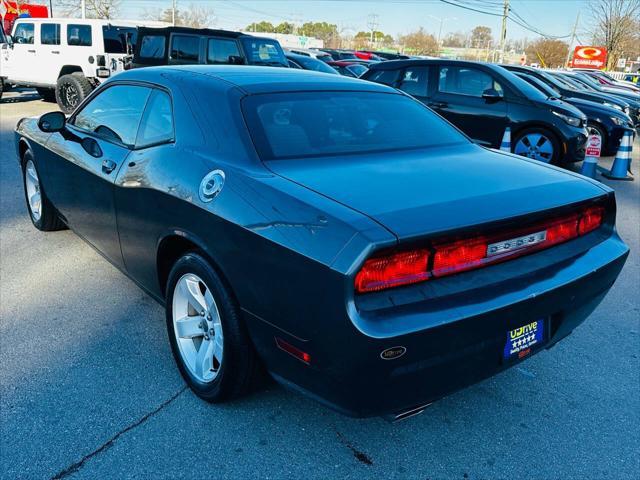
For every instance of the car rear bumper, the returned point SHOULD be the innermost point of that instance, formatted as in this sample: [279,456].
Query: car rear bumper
[350,375]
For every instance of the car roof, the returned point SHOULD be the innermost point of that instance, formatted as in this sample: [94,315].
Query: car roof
[197,31]
[94,21]
[257,79]
[414,62]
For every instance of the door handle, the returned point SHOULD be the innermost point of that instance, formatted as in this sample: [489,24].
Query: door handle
[108,166]
[57,52]
[31,51]
[438,104]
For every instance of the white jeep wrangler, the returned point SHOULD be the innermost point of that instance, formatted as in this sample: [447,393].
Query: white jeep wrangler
[65,58]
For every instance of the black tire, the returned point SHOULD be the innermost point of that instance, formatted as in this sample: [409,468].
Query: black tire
[48,220]
[71,90]
[556,158]
[240,368]
[47,94]
[1,88]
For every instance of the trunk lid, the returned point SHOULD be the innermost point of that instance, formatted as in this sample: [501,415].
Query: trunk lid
[435,190]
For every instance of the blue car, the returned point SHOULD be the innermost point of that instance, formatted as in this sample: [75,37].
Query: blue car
[332,232]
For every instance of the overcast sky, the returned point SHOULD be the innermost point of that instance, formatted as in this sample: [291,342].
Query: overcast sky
[553,17]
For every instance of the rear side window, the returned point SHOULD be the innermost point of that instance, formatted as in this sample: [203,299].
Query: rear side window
[115,113]
[317,124]
[118,39]
[466,81]
[220,49]
[23,33]
[415,81]
[153,46]
[50,34]
[185,49]
[79,35]
[261,51]
[157,123]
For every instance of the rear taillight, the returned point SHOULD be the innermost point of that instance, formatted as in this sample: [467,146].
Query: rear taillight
[412,266]
[590,220]
[393,270]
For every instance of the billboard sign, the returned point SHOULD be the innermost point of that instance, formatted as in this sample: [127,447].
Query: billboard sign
[589,57]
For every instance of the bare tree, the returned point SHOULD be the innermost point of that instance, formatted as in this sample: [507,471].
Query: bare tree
[94,8]
[614,25]
[419,43]
[196,16]
[549,53]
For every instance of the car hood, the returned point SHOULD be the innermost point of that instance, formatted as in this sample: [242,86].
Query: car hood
[597,97]
[595,107]
[440,189]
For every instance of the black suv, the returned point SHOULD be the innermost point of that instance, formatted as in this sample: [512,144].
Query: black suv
[483,99]
[183,45]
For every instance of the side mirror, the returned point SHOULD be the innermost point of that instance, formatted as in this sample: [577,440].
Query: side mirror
[52,122]
[491,95]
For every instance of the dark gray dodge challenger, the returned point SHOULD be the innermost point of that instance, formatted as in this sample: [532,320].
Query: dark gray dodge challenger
[333,232]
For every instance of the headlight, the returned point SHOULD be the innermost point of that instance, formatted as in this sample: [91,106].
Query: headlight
[574,121]
[617,107]
[618,121]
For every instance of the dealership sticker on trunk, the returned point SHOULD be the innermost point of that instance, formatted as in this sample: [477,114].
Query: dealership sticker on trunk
[520,340]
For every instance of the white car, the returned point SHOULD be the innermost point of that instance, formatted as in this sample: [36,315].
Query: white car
[65,58]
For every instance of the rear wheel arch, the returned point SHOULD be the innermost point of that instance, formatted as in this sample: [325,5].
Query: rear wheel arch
[69,69]
[23,146]
[177,244]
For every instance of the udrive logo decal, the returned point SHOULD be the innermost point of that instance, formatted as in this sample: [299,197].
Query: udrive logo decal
[590,57]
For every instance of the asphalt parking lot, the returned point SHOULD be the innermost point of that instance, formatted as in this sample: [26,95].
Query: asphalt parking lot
[89,389]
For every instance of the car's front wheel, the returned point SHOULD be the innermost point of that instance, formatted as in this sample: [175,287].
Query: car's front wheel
[41,211]
[208,338]
[538,144]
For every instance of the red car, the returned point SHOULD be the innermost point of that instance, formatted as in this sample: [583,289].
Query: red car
[368,56]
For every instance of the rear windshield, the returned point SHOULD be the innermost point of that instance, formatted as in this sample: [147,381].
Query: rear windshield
[316,124]
[309,63]
[119,39]
[357,69]
[263,51]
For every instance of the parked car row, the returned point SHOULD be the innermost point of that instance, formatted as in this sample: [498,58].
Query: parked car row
[548,112]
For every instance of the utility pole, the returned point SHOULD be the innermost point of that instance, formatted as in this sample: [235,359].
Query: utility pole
[441,20]
[173,12]
[83,8]
[503,32]
[573,36]
[373,26]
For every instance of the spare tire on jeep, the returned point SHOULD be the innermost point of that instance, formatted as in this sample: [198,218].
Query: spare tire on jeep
[71,90]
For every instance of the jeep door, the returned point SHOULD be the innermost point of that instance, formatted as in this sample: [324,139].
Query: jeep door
[471,99]
[85,158]
[19,62]
[50,56]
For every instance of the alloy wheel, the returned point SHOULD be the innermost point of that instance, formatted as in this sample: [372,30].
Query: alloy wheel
[70,96]
[32,186]
[536,146]
[197,327]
